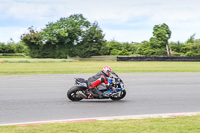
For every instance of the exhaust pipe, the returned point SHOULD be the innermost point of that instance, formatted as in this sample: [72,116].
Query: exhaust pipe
[81,94]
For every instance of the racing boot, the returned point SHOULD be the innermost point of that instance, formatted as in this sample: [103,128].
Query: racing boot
[90,93]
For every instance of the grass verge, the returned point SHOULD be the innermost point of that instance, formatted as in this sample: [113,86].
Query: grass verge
[32,60]
[95,66]
[189,124]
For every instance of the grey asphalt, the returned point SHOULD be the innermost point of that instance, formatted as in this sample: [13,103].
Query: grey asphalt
[43,97]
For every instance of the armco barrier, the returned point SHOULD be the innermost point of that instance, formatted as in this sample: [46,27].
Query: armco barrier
[147,58]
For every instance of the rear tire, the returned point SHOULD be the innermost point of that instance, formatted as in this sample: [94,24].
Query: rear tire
[71,93]
[119,98]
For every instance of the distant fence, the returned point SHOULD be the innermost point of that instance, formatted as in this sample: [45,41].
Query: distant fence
[146,58]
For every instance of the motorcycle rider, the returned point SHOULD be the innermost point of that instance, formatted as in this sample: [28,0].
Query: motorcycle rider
[98,79]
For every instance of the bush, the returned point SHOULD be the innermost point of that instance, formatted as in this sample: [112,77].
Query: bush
[115,52]
[177,54]
[190,53]
[124,52]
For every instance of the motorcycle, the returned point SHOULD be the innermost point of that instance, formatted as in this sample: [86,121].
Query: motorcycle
[79,90]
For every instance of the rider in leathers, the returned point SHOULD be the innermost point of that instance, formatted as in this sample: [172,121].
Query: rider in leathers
[99,78]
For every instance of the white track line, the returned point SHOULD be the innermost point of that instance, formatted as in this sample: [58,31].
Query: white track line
[169,115]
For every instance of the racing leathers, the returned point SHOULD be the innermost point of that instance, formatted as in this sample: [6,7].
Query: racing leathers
[96,80]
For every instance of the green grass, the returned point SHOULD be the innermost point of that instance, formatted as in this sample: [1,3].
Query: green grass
[190,124]
[12,55]
[20,56]
[93,67]
[32,60]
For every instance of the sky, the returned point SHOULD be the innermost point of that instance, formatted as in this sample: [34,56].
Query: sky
[121,20]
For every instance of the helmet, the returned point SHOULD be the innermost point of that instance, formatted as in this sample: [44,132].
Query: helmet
[107,70]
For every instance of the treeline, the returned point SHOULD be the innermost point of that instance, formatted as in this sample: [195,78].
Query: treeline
[76,36]
[12,47]
[190,48]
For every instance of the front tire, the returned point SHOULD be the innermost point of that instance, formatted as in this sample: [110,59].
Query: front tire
[123,94]
[71,93]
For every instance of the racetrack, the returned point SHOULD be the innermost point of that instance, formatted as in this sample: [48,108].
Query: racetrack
[43,97]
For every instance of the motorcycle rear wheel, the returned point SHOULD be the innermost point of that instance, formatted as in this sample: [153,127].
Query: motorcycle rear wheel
[71,93]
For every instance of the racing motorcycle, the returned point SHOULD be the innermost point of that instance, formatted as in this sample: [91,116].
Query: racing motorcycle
[79,90]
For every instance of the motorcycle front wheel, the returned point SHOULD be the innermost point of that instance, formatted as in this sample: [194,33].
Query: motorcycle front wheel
[123,94]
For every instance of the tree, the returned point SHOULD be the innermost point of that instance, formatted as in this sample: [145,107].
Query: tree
[64,34]
[12,47]
[71,36]
[91,43]
[144,48]
[192,46]
[2,48]
[105,49]
[34,43]
[161,35]
[191,39]
[19,47]
[114,47]
[129,47]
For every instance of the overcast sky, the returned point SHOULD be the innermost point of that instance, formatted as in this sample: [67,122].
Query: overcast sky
[122,20]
